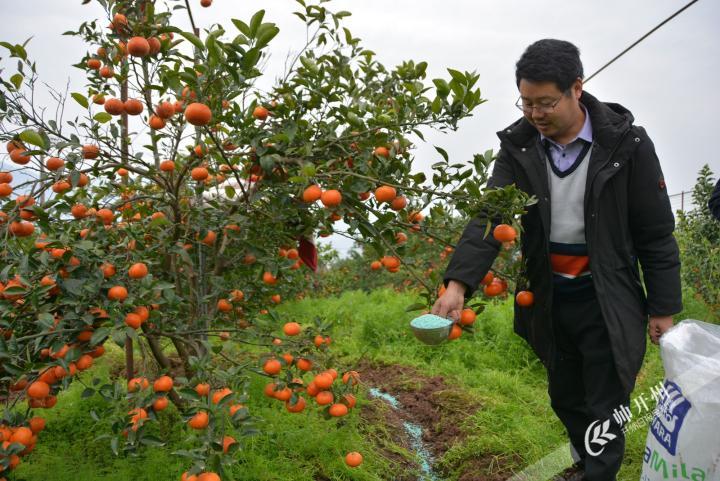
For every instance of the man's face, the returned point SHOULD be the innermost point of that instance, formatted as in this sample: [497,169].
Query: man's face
[552,122]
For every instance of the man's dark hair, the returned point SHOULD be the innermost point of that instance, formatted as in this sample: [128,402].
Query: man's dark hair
[550,60]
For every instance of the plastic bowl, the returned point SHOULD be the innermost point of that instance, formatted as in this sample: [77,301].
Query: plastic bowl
[431,329]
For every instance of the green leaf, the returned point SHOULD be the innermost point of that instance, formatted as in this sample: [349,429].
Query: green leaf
[255,22]
[415,307]
[32,137]
[151,441]
[266,34]
[99,335]
[87,392]
[456,75]
[102,117]
[242,26]
[442,152]
[17,80]
[229,192]
[443,89]
[80,98]
[193,39]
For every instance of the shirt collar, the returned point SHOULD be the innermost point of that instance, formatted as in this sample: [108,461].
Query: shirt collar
[584,134]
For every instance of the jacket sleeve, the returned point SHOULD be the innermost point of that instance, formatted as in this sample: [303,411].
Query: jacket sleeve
[651,225]
[714,202]
[475,253]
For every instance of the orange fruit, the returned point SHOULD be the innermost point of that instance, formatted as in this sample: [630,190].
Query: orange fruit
[18,157]
[268,278]
[227,442]
[275,298]
[38,390]
[5,190]
[199,420]
[220,394]
[349,400]
[114,106]
[165,110]
[5,177]
[199,173]
[353,459]
[323,381]
[54,163]
[138,47]
[107,72]
[133,106]
[37,424]
[203,389]
[398,203]
[90,151]
[272,367]
[385,193]
[495,288]
[381,152]
[338,410]
[117,293]
[353,376]
[78,211]
[324,397]
[22,435]
[138,383]
[160,403]
[209,476]
[205,3]
[163,384]
[156,123]
[224,306]
[311,194]
[455,332]
[105,215]
[260,113]
[292,329]
[198,114]
[94,64]
[108,270]
[299,406]
[304,364]
[138,271]
[331,198]
[84,362]
[487,279]
[467,317]
[133,320]
[504,233]
[375,265]
[525,298]
[167,165]
[155,45]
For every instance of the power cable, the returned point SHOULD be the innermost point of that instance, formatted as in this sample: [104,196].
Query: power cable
[640,40]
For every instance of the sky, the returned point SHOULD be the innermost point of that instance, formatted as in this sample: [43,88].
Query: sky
[667,81]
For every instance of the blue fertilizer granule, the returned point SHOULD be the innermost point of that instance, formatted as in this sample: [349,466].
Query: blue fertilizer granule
[430,321]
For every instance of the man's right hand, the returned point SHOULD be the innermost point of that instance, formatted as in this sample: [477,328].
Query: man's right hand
[451,303]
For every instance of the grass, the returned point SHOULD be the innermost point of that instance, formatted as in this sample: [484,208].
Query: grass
[515,425]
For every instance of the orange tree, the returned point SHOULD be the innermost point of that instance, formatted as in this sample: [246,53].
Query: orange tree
[176,209]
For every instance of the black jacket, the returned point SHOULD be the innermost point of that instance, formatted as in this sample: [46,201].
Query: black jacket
[714,202]
[627,218]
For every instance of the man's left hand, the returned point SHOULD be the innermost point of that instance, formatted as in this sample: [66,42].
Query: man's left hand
[657,327]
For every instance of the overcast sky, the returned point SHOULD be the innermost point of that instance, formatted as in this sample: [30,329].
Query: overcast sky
[669,81]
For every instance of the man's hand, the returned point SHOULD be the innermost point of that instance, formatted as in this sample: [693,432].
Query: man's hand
[451,302]
[657,327]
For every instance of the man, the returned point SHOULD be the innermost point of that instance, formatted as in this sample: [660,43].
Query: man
[714,202]
[602,207]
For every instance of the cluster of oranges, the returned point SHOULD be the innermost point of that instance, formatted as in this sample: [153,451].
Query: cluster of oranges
[24,438]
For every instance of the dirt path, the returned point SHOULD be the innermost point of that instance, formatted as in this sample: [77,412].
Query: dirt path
[438,409]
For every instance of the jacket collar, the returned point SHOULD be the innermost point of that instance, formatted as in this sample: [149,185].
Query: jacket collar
[609,122]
